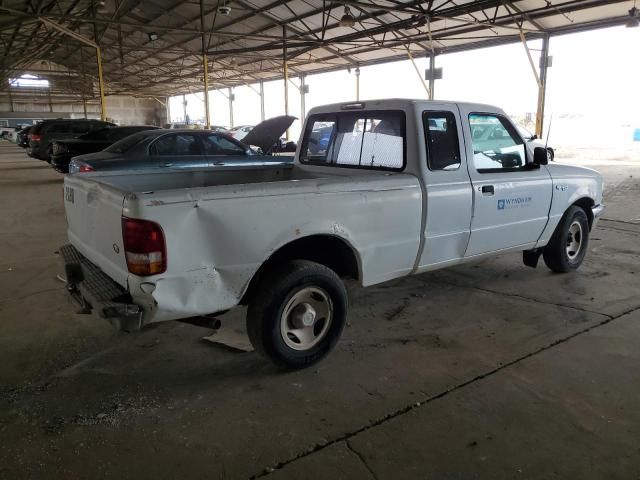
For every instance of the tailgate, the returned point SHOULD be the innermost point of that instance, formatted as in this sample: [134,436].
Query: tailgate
[94,218]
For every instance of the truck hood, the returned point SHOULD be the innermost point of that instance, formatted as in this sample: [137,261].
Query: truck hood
[579,176]
[266,134]
[559,170]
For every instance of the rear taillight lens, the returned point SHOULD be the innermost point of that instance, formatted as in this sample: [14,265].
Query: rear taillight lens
[84,168]
[144,247]
[34,138]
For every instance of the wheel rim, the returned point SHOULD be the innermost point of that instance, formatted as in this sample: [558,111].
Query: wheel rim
[574,240]
[306,318]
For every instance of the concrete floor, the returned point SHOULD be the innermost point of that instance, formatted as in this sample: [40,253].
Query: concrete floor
[491,370]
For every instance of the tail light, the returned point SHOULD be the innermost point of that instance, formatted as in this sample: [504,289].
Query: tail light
[34,137]
[144,247]
[84,168]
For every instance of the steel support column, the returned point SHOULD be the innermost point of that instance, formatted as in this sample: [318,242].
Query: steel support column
[302,95]
[262,100]
[285,71]
[432,80]
[103,106]
[542,87]
[10,99]
[184,109]
[205,64]
[357,72]
[230,97]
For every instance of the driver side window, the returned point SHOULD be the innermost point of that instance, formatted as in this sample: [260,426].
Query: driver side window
[497,147]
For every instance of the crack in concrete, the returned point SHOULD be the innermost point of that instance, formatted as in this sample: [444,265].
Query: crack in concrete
[522,297]
[362,459]
[397,413]
[5,301]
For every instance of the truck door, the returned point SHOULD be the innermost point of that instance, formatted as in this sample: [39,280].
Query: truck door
[511,200]
[449,197]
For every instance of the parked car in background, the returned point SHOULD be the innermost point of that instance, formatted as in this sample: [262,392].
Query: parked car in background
[64,150]
[535,141]
[240,132]
[218,128]
[168,148]
[41,138]
[23,136]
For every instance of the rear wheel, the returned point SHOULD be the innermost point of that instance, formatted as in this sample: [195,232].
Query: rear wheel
[298,314]
[568,244]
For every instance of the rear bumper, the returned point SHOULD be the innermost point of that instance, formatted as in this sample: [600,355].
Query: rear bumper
[93,290]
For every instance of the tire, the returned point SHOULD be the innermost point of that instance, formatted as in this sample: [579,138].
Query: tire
[568,244]
[49,154]
[298,314]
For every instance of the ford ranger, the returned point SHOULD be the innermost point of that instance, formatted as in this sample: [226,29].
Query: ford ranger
[379,190]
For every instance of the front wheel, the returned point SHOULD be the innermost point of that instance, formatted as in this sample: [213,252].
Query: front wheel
[568,244]
[298,314]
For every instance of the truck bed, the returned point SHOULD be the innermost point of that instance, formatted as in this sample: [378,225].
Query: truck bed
[155,181]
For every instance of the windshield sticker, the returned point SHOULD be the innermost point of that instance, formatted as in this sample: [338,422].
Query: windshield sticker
[516,202]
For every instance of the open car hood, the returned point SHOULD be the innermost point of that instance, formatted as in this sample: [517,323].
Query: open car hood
[266,134]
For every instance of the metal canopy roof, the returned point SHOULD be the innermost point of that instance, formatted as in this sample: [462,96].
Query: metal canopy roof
[155,47]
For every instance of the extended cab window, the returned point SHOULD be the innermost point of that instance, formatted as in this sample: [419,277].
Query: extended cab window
[372,140]
[496,144]
[441,136]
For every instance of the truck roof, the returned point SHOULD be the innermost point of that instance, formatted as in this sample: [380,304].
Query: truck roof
[399,103]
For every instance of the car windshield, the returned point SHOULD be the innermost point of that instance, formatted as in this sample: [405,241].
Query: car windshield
[125,144]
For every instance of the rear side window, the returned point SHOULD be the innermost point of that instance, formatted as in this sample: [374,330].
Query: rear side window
[441,137]
[497,146]
[176,144]
[372,140]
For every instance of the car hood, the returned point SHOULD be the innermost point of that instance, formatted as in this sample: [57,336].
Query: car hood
[266,134]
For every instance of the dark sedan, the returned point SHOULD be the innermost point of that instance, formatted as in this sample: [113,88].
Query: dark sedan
[64,150]
[173,148]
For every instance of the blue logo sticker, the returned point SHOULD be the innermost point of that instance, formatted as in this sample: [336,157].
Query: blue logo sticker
[500,204]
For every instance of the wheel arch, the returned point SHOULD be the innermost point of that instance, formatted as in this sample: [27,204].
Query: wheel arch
[586,204]
[331,251]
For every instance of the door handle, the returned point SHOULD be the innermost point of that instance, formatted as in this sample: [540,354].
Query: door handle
[167,164]
[487,190]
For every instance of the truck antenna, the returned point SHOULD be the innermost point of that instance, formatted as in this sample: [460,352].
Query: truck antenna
[546,143]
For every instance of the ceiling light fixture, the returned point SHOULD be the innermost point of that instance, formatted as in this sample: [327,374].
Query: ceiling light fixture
[153,36]
[347,19]
[634,17]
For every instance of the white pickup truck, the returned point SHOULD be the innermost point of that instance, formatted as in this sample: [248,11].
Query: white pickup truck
[378,190]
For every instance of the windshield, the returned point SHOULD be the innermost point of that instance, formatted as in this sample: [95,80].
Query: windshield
[125,144]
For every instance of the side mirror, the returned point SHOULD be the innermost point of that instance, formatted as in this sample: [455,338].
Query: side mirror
[540,156]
